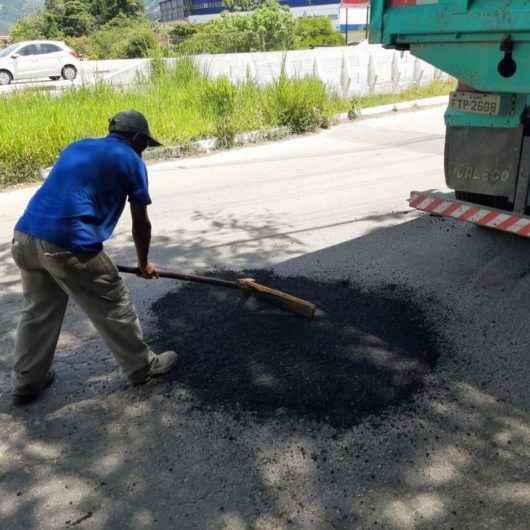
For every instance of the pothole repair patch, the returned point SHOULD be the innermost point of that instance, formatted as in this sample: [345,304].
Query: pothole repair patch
[363,352]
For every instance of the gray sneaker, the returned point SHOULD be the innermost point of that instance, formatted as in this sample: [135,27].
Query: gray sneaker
[160,365]
[28,394]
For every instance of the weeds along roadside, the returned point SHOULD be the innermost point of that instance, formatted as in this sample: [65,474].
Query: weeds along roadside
[181,103]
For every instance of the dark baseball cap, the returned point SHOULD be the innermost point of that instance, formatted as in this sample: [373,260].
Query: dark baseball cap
[132,121]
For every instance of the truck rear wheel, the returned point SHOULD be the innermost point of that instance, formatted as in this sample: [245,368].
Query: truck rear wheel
[492,201]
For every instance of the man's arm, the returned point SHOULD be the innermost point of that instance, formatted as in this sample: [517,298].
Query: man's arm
[141,231]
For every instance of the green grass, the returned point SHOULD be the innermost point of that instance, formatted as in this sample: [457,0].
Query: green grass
[182,105]
[436,88]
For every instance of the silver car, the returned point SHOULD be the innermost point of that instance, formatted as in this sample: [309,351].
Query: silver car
[38,59]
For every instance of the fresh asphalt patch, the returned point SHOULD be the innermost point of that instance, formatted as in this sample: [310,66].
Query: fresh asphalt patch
[365,350]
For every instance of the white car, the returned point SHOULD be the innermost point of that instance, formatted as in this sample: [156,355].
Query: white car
[38,59]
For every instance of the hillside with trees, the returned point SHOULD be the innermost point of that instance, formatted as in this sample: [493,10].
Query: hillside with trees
[13,10]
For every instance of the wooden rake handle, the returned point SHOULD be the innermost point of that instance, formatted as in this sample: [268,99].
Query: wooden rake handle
[183,277]
[287,301]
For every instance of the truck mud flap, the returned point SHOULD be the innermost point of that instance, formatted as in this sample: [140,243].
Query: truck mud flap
[483,160]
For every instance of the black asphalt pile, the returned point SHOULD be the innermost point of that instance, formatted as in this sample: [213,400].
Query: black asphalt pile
[364,352]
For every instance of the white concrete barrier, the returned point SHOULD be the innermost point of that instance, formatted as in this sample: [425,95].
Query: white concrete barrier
[350,71]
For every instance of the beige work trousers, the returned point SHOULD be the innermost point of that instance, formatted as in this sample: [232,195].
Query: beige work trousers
[50,274]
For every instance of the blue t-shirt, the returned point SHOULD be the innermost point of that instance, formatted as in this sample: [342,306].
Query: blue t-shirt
[81,201]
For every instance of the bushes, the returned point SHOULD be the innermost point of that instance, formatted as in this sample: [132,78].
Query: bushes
[316,31]
[181,104]
[270,26]
[122,38]
[29,28]
[98,29]
[140,42]
[115,33]
[219,98]
[59,19]
[180,31]
[301,106]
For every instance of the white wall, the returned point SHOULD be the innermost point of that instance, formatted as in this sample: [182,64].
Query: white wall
[350,71]
[353,70]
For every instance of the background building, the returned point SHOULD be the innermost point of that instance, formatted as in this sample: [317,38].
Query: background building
[171,10]
[354,18]
[349,16]
[204,10]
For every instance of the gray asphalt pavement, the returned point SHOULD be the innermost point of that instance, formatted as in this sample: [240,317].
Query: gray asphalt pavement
[453,454]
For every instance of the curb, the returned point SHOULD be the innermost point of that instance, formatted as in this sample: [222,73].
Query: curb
[208,145]
[381,110]
[211,144]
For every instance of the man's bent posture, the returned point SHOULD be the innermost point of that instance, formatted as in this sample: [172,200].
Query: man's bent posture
[58,246]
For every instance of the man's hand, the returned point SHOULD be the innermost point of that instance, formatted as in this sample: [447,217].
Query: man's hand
[149,272]
[141,230]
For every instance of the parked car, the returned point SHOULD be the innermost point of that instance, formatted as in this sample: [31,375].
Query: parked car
[38,59]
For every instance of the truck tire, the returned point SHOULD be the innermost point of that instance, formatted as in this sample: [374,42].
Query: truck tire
[491,201]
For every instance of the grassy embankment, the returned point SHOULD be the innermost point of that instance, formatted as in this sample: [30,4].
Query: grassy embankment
[436,88]
[182,105]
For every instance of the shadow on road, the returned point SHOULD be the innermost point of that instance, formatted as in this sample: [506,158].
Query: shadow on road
[98,455]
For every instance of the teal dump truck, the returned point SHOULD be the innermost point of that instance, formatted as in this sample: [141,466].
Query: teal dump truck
[485,45]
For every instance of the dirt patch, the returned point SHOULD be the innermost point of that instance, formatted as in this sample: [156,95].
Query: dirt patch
[365,350]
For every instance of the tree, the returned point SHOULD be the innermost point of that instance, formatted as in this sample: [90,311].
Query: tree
[271,26]
[120,38]
[138,43]
[316,31]
[106,10]
[241,5]
[180,31]
[268,27]
[29,28]
[53,18]
[76,19]
[32,7]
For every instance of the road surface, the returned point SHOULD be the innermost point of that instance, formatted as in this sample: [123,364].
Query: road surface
[95,454]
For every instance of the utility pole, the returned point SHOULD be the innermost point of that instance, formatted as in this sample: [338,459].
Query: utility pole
[346,23]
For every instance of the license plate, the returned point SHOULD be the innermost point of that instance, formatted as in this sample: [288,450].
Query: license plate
[489,104]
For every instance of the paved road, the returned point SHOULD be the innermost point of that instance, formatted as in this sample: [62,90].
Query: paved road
[97,455]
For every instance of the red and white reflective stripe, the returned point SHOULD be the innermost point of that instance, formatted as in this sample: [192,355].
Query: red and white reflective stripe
[398,3]
[472,213]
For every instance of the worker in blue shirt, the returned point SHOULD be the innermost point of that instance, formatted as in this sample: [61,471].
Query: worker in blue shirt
[58,247]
